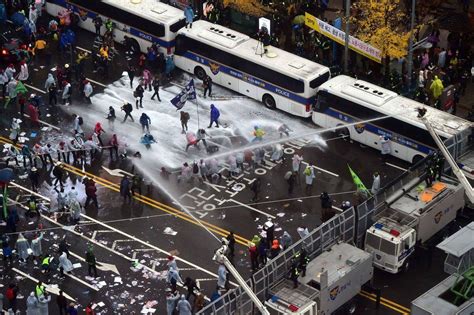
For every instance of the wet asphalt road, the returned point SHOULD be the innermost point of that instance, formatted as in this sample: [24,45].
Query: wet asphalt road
[144,220]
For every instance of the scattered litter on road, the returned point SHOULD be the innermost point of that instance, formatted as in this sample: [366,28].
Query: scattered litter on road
[169,231]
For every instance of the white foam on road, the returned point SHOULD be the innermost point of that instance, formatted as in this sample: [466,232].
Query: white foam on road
[239,116]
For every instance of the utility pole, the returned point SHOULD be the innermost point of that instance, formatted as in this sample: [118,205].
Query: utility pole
[410,44]
[346,46]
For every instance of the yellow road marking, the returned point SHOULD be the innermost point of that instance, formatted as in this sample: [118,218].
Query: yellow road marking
[387,301]
[151,202]
[403,312]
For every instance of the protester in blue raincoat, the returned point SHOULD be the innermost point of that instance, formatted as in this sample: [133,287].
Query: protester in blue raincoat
[214,116]
[169,66]
[189,14]
[67,38]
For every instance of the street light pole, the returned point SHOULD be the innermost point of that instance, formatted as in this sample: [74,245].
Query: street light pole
[346,45]
[410,43]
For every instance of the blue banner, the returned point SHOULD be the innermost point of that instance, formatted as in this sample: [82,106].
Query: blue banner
[189,93]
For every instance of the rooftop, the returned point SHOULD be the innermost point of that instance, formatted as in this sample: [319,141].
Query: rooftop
[251,49]
[149,9]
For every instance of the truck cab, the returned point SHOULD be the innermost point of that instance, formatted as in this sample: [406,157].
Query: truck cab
[391,244]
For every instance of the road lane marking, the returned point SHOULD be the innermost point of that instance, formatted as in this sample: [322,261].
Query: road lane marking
[48,287]
[384,304]
[321,169]
[403,312]
[98,83]
[100,265]
[396,166]
[83,49]
[34,88]
[30,191]
[81,281]
[251,208]
[387,301]
[150,245]
[43,122]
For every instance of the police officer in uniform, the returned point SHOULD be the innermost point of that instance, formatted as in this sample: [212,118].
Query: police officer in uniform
[294,272]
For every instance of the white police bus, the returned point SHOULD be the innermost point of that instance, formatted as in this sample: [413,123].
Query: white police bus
[145,21]
[343,100]
[279,79]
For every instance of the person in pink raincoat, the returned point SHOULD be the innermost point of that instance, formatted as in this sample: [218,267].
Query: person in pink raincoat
[147,78]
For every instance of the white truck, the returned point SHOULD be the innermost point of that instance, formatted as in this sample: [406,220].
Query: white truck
[413,214]
[331,282]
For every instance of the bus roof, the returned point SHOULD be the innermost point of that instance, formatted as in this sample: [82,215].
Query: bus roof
[243,46]
[150,9]
[390,103]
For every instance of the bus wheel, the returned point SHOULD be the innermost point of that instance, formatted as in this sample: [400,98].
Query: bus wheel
[200,73]
[269,101]
[342,132]
[417,158]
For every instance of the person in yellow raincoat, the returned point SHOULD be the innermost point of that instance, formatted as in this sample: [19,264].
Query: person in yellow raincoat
[258,133]
[436,87]
[104,51]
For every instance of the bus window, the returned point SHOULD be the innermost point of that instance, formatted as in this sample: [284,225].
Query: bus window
[319,80]
[176,26]
[321,103]
[135,21]
[181,45]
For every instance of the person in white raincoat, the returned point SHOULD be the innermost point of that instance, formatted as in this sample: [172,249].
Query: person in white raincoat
[233,169]
[75,208]
[222,273]
[14,130]
[184,307]
[277,153]
[32,307]
[36,249]
[22,248]
[72,195]
[65,264]
[186,173]
[24,74]
[385,147]
[43,304]
[376,184]
[296,163]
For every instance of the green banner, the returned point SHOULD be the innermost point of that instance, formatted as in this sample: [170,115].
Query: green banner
[359,184]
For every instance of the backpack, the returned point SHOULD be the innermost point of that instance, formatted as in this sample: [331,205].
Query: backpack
[10,294]
[186,116]
[195,168]
[81,121]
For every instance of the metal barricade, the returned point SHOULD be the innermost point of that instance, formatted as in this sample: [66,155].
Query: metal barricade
[338,228]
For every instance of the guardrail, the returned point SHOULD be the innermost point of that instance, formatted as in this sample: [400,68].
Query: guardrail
[338,228]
